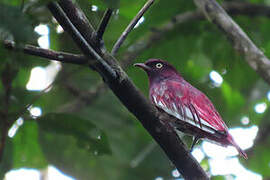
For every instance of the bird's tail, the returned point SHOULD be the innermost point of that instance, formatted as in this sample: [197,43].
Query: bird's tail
[233,143]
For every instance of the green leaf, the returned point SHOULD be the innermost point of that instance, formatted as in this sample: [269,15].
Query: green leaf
[21,31]
[86,134]
[71,143]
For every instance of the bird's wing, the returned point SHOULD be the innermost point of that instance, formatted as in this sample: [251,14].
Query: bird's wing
[205,109]
[175,98]
[188,104]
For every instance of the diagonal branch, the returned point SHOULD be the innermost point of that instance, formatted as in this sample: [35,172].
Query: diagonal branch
[131,25]
[240,41]
[135,102]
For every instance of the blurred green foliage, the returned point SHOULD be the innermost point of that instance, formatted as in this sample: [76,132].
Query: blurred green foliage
[100,139]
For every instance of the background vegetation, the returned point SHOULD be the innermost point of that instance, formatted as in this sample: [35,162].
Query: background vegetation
[84,130]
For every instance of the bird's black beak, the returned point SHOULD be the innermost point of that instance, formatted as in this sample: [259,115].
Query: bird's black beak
[143,66]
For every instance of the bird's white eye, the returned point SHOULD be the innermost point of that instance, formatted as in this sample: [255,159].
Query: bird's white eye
[159,65]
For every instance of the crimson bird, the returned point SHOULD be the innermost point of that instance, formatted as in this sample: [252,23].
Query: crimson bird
[194,112]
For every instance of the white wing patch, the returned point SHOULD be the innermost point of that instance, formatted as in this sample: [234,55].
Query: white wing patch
[176,111]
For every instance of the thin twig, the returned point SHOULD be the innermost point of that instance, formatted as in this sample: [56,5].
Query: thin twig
[103,24]
[47,53]
[131,25]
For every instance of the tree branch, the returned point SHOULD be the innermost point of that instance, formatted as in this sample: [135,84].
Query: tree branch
[46,53]
[240,41]
[102,66]
[79,20]
[131,25]
[136,103]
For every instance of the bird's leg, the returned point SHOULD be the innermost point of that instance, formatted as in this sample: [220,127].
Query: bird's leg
[195,140]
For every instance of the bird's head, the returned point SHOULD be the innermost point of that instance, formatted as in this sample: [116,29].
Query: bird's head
[158,69]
